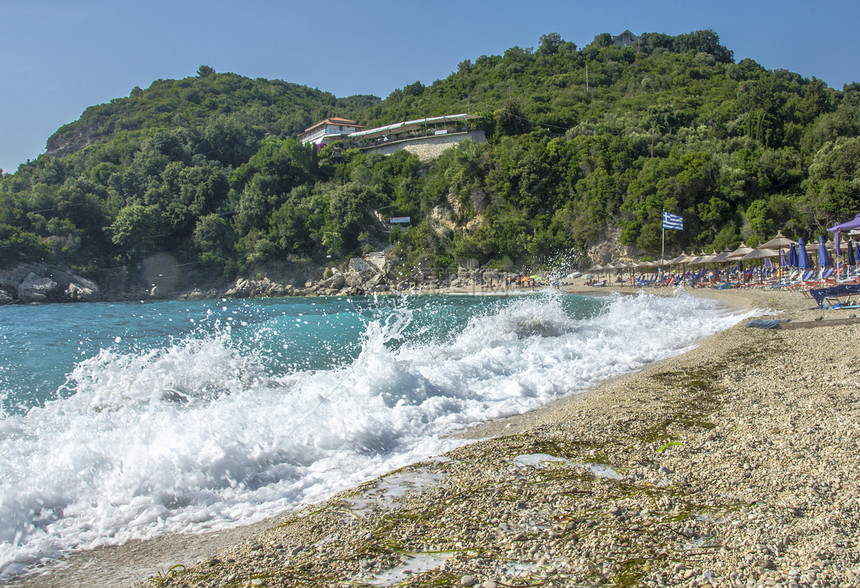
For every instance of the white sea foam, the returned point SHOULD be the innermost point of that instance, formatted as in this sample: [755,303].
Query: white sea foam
[202,433]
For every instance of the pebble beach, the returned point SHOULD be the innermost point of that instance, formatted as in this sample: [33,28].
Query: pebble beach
[734,464]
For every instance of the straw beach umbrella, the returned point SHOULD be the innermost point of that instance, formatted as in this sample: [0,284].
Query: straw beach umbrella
[608,269]
[779,243]
[693,259]
[718,259]
[678,260]
[630,266]
[697,260]
[710,259]
[738,253]
[759,254]
[721,257]
[707,258]
[653,266]
[647,266]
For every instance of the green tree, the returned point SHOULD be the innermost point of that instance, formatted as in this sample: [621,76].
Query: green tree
[414,89]
[550,44]
[602,40]
[214,240]
[833,187]
[137,229]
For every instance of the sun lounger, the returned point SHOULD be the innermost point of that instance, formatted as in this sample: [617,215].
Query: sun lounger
[839,296]
[807,280]
[828,276]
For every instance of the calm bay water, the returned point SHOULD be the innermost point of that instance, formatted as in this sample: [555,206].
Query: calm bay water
[132,420]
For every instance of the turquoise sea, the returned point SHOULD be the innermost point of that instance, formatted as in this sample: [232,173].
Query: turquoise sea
[132,420]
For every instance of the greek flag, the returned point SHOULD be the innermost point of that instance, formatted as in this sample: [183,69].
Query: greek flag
[672,221]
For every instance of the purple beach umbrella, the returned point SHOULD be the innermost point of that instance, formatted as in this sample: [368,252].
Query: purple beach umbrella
[848,225]
[837,239]
[823,257]
[792,256]
[803,261]
[837,229]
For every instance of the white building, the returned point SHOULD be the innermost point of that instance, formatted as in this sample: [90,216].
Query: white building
[425,137]
[328,130]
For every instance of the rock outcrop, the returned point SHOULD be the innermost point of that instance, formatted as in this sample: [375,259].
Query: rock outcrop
[258,288]
[70,139]
[39,282]
[609,248]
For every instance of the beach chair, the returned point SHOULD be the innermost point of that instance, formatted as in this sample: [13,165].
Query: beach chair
[695,279]
[839,296]
[846,274]
[787,278]
[806,281]
[842,271]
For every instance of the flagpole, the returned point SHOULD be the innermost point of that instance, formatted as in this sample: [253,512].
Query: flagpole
[663,239]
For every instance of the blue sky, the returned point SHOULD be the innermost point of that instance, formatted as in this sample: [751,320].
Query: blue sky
[60,56]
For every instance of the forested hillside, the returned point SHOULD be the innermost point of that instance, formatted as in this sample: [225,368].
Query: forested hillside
[208,168]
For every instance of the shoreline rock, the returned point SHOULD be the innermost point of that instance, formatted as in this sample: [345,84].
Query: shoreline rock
[42,283]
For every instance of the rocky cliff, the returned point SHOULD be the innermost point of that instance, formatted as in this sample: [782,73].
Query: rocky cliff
[70,139]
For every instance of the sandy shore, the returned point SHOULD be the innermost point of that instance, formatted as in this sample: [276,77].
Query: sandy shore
[735,464]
